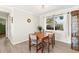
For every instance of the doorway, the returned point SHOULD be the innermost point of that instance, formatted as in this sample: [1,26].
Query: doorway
[2,27]
[3,23]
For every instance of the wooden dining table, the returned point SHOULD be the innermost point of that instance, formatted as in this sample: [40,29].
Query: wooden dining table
[42,36]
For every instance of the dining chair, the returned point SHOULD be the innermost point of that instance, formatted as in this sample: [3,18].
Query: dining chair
[33,41]
[50,41]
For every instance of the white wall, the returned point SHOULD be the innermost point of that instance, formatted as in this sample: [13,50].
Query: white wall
[21,28]
[63,36]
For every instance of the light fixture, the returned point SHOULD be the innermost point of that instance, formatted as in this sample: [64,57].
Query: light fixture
[43,6]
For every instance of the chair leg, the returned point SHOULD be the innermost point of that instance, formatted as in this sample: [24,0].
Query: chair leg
[52,46]
[29,46]
[36,48]
[42,48]
[48,46]
[52,43]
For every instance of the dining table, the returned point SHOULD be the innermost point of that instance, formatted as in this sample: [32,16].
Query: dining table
[42,37]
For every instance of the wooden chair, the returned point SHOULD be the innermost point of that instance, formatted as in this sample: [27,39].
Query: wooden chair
[33,41]
[50,41]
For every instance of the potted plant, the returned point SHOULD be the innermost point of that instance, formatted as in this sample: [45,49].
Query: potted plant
[40,28]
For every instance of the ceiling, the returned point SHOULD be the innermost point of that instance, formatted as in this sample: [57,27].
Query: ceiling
[41,9]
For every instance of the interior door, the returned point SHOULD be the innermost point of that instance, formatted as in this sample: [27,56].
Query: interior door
[75,30]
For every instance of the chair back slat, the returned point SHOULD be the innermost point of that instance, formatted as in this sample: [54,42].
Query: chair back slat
[33,36]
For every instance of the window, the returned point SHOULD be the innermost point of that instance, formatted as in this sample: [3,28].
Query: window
[50,23]
[55,22]
[59,21]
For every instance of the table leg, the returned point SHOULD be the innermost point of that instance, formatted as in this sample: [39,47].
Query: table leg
[42,47]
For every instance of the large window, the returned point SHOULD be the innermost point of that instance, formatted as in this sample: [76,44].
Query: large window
[55,22]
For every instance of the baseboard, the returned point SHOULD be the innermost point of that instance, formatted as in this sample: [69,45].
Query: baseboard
[64,42]
[17,42]
[20,41]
